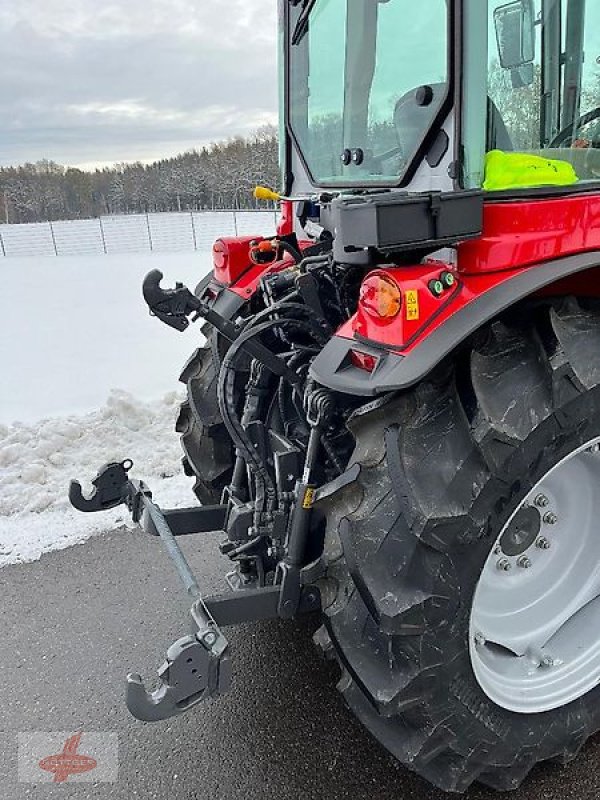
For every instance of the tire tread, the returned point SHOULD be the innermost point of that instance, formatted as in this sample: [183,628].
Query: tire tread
[426,458]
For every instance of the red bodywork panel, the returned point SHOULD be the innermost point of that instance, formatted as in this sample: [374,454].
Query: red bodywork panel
[517,236]
[233,266]
[248,283]
[286,221]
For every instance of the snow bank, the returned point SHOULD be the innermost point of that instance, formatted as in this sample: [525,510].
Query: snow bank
[38,460]
[72,329]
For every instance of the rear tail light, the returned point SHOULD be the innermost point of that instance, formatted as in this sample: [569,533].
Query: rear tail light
[231,258]
[380,296]
[364,361]
[220,256]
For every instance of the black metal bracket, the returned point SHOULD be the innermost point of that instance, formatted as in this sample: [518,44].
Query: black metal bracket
[111,489]
[174,306]
[197,668]
[171,306]
[191,521]
[319,407]
[253,605]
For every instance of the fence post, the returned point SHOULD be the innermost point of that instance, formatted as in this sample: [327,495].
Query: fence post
[53,236]
[149,232]
[102,236]
[193,230]
[2,245]
[235,222]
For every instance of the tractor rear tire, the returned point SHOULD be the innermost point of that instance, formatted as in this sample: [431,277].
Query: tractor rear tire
[208,452]
[444,469]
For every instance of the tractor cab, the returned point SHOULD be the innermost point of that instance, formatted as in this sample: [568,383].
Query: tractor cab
[390,94]
[453,137]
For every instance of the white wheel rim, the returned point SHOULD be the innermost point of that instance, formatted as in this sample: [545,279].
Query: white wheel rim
[535,620]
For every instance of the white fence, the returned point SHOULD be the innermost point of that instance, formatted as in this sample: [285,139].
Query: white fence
[135,233]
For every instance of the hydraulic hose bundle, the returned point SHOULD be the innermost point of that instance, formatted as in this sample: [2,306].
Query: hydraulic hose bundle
[316,332]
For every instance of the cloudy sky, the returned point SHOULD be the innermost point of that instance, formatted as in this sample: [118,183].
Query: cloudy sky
[87,82]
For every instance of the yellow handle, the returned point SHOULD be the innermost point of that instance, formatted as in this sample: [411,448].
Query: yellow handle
[263,193]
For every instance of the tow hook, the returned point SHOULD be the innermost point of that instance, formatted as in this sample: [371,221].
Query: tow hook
[197,668]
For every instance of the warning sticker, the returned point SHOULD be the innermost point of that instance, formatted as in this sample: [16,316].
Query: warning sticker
[413,311]
[309,498]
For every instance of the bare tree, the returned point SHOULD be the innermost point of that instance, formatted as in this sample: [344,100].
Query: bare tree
[219,176]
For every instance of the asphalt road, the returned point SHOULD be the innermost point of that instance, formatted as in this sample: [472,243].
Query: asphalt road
[76,622]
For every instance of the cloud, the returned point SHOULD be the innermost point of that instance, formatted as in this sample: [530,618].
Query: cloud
[90,82]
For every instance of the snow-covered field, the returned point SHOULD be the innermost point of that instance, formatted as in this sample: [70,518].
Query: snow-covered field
[87,377]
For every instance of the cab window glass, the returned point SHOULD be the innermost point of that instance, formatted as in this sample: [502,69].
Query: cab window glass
[550,105]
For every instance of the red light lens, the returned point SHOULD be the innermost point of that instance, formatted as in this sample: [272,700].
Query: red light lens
[363,361]
[220,256]
[380,296]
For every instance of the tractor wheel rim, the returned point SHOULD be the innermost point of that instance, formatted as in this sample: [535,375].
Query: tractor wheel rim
[535,622]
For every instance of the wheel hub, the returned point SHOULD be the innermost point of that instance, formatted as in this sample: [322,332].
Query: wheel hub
[534,631]
[522,532]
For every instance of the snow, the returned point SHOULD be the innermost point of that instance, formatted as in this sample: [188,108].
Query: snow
[91,378]
[72,329]
[38,460]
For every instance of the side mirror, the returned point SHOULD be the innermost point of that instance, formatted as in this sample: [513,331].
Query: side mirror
[515,33]
[523,76]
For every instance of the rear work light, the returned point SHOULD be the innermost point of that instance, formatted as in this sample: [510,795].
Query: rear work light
[364,361]
[380,296]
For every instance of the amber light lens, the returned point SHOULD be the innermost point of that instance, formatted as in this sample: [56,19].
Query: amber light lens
[380,296]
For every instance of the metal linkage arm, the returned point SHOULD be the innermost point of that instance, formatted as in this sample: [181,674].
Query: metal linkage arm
[197,666]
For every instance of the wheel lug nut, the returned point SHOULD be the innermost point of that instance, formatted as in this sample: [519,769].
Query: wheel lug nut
[504,565]
[480,639]
[543,543]
[524,562]
[547,661]
[498,549]
[541,501]
[550,518]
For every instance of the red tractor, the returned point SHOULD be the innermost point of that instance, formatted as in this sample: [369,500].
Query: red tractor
[395,421]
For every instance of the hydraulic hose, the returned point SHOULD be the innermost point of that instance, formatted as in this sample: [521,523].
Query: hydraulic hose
[288,248]
[320,326]
[226,397]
